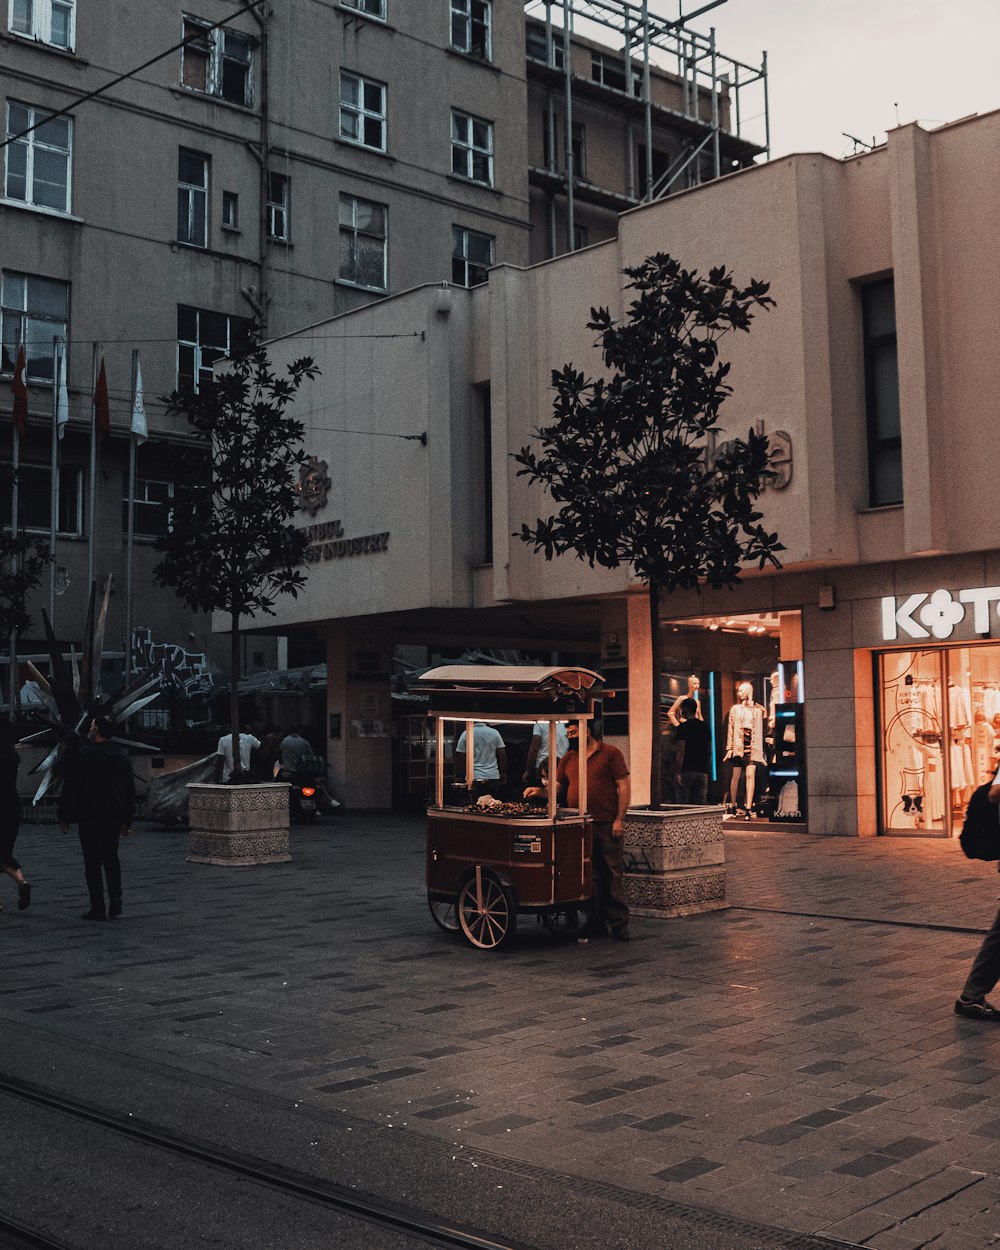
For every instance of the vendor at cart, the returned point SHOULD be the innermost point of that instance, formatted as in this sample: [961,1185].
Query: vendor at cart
[489,761]
[609,792]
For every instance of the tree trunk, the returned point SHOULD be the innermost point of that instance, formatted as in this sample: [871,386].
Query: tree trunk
[656,737]
[234,689]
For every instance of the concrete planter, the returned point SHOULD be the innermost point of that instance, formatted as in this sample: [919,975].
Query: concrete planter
[238,825]
[675,860]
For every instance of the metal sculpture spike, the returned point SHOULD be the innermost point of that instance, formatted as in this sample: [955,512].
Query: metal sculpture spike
[72,696]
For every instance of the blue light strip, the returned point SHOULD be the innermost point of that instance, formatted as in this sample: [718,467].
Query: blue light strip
[711,721]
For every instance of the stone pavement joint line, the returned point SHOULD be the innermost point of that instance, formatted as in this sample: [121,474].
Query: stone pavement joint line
[791,1061]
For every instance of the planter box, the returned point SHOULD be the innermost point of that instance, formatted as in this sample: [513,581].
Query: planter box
[675,860]
[238,825]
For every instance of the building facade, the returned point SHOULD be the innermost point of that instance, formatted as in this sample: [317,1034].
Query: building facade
[280,164]
[872,377]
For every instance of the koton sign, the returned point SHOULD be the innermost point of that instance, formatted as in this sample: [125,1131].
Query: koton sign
[937,614]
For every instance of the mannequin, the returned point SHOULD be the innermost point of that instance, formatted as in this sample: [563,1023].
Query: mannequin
[694,686]
[744,743]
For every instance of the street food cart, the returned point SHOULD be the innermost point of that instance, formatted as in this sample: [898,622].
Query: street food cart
[489,860]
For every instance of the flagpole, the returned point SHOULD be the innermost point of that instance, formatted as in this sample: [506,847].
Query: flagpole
[92,522]
[131,523]
[58,344]
[15,461]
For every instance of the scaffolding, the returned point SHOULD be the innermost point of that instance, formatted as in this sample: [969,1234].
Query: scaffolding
[713,119]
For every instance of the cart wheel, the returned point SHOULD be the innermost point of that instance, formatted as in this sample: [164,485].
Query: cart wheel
[486,912]
[568,921]
[443,914]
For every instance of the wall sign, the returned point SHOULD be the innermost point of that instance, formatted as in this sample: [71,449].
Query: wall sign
[313,487]
[937,614]
[327,542]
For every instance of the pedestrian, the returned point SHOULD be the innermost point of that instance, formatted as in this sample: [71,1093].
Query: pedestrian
[985,971]
[609,793]
[224,756]
[489,761]
[264,761]
[10,812]
[690,749]
[99,796]
[536,765]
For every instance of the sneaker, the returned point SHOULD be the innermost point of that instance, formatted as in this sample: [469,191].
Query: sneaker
[114,909]
[981,1010]
[23,895]
[93,915]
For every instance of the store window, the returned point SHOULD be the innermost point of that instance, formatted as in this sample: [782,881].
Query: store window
[885,444]
[940,734]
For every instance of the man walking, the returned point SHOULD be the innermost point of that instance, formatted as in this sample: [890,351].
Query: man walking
[609,793]
[489,761]
[690,756]
[985,971]
[99,795]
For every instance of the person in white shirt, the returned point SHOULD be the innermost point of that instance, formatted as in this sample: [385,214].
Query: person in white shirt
[535,768]
[489,760]
[224,755]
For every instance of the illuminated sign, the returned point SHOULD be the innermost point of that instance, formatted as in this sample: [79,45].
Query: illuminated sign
[937,614]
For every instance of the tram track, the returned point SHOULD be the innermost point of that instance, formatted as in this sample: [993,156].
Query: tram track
[406,1220]
[925,925]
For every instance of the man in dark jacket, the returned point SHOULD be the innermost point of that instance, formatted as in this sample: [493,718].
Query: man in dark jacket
[99,795]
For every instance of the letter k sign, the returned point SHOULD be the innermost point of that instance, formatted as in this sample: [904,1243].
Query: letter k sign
[895,619]
[939,612]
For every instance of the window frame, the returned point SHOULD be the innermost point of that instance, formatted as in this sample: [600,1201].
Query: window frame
[199,346]
[355,232]
[31,143]
[282,206]
[470,148]
[22,315]
[215,61]
[465,234]
[462,10]
[358,7]
[41,23]
[361,112]
[878,446]
[146,503]
[231,219]
[535,38]
[70,482]
[191,189]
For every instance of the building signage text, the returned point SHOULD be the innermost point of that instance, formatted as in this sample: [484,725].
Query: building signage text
[327,542]
[938,613]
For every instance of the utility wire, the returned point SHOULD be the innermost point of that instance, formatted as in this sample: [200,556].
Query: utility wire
[92,95]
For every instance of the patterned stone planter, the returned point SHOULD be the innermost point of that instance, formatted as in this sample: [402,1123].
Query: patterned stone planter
[675,860]
[238,825]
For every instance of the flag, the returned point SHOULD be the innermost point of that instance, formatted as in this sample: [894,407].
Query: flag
[102,411]
[19,390]
[62,397]
[139,427]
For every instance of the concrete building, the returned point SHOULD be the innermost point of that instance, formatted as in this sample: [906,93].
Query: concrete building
[872,376]
[286,169]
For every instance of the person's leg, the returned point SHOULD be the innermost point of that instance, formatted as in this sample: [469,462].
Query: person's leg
[698,788]
[608,875]
[751,779]
[110,837]
[985,971]
[91,848]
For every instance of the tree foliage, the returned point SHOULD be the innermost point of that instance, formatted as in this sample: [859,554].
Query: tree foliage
[635,460]
[23,559]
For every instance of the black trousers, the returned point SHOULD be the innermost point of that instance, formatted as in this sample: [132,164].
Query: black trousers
[99,843]
[609,886]
[985,970]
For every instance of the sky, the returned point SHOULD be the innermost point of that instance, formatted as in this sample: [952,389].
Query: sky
[849,65]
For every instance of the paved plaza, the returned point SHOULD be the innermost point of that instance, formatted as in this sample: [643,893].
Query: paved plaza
[792,1061]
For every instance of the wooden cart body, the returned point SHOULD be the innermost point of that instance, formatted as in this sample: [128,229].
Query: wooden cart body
[483,870]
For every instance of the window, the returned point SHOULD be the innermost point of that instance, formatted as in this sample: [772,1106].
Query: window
[579,144]
[580,237]
[218,62]
[34,311]
[471,27]
[230,210]
[34,500]
[535,46]
[202,339]
[152,517]
[278,187]
[48,21]
[609,71]
[373,8]
[362,243]
[885,444]
[362,111]
[192,198]
[38,165]
[472,148]
[471,256]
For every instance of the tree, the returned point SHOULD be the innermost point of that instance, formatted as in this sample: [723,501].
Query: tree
[633,461]
[23,559]
[230,546]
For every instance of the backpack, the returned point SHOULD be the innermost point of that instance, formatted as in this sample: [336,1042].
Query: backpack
[980,836]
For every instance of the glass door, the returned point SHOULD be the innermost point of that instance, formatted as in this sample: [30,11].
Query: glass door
[917,793]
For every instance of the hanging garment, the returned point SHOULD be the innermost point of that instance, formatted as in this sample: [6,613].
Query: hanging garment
[745,717]
[934,788]
[982,744]
[958,707]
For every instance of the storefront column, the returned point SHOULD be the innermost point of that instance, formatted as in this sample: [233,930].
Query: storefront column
[359,743]
[640,692]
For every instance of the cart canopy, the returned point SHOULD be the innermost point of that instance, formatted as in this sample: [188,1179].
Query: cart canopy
[476,688]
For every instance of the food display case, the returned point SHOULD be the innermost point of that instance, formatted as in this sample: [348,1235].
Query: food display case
[489,860]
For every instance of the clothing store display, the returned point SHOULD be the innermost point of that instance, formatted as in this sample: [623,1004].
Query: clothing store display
[745,733]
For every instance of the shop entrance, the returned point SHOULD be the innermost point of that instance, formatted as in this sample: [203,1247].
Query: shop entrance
[940,735]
